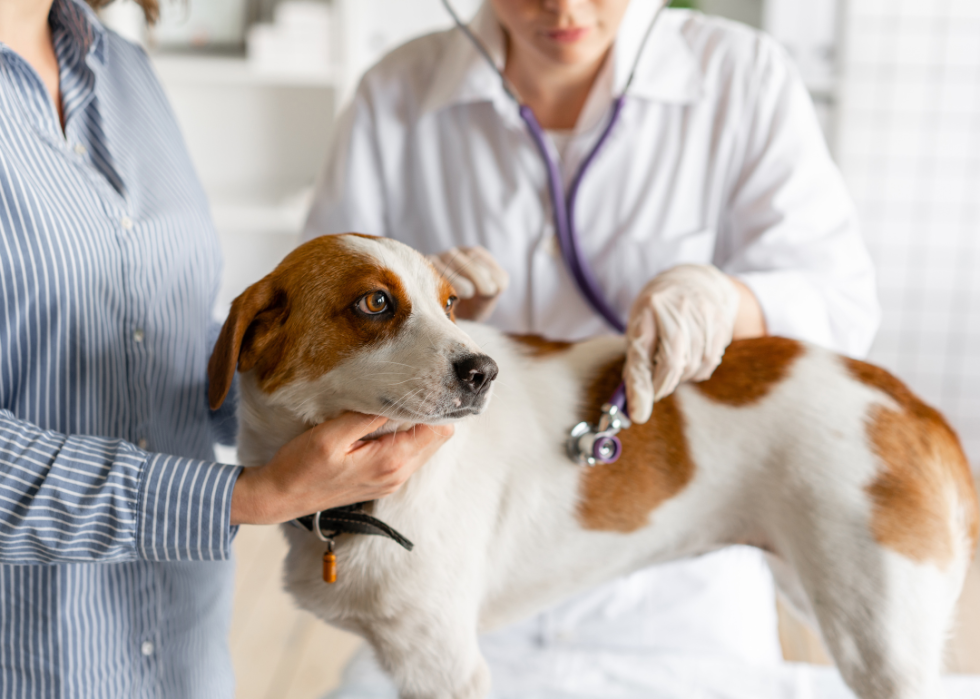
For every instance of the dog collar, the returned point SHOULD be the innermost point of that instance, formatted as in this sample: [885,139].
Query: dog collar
[350,519]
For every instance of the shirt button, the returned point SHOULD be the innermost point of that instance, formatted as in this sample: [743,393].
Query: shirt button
[80,149]
[143,443]
[147,648]
[126,222]
[138,335]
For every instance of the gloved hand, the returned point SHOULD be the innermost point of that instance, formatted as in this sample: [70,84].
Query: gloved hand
[678,329]
[477,278]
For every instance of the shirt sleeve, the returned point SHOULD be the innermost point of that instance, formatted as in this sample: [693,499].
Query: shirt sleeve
[74,499]
[792,231]
[350,196]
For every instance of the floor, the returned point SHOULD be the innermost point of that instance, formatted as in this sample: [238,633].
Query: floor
[283,653]
[279,652]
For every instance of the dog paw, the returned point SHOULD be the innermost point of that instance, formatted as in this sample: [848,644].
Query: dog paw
[478,686]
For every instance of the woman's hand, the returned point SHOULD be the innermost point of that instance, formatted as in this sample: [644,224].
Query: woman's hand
[678,329]
[477,278]
[329,466]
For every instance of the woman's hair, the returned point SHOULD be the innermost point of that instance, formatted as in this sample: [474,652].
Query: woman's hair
[151,8]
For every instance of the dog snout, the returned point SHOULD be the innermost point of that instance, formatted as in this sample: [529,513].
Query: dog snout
[475,372]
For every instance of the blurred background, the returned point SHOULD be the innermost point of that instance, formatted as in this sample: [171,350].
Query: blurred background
[256,85]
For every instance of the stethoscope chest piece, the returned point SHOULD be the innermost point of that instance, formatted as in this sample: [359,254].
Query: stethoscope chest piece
[590,444]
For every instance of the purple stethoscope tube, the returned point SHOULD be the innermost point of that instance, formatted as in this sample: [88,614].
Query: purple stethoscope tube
[600,444]
[565,221]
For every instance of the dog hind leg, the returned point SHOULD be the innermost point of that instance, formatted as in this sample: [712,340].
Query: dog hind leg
[788,585]
[429,660]
[884,619]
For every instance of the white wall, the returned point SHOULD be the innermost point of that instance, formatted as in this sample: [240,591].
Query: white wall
[909,146]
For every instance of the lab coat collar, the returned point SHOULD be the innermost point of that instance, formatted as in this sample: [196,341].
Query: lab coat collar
[463,75]
[667,71]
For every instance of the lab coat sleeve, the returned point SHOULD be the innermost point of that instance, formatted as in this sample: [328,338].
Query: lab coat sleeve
[350,194]
[791,231]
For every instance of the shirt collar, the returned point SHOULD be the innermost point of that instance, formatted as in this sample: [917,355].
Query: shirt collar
[667,71]
[80,24]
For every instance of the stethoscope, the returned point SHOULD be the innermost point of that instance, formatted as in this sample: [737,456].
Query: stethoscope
[587,444]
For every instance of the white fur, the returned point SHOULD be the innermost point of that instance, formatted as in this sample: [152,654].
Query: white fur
[493,514]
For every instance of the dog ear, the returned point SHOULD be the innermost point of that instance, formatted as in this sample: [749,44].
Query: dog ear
[258,311]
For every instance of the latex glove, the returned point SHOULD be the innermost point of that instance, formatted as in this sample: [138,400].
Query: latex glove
[477,278]
[678,329]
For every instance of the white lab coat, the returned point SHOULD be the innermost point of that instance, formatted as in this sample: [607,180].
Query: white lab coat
[718,158]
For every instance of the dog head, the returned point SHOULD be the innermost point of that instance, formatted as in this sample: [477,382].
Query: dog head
[353,322]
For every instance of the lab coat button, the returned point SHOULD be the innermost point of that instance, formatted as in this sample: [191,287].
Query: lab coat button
[552,247]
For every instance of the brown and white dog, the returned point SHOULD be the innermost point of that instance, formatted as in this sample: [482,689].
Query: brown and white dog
[858,491]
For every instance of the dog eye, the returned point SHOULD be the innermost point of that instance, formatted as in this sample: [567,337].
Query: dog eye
[374,303]
[450,302]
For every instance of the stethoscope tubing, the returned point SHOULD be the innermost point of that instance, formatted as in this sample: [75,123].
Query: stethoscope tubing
[564,209]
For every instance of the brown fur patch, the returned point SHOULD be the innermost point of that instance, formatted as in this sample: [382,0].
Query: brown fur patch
[751,368]
[301,318]
[537,346]
[922,462]
[654,467]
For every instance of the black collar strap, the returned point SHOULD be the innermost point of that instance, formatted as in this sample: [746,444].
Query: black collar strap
[352,519]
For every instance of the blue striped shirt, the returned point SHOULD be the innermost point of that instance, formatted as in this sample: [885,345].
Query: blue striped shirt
[115,578]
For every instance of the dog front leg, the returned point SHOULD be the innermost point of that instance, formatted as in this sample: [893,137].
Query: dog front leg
[430,657]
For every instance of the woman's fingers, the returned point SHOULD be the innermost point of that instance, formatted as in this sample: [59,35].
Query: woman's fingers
[641,337]
[482,275]
[692,309]
[349,428]
[394,457]
[461,283]
[497,273]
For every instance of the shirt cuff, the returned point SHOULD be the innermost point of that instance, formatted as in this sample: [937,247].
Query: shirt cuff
[184,510]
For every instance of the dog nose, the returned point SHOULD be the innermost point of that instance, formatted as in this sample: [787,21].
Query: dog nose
[475,372]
